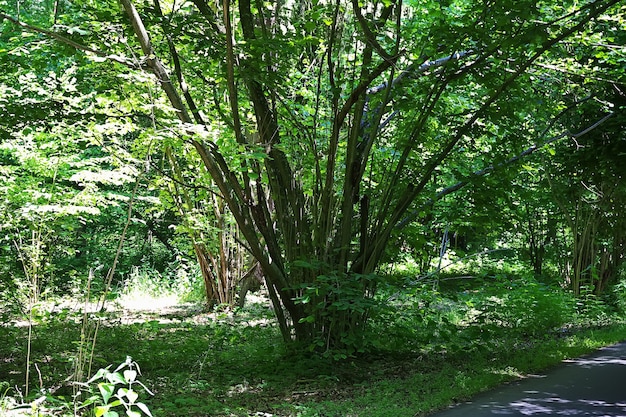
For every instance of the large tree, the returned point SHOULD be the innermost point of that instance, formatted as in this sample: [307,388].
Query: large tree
[325,124]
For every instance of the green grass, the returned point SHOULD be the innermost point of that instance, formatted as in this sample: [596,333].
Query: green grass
[237,365]
[422,385]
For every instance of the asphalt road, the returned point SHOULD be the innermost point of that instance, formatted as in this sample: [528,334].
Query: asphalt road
[593,385]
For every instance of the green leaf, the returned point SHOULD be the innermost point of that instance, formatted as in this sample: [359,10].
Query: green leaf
[144,408]
[116,378]
[101,373]
[116,403]
[130,375]
[101,410]
[131,395]
[307,319]
[146,388]
[106,390]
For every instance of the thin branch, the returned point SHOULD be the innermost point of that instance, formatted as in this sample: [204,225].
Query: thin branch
[233,98]
[67,41]
[205,10]
[154,63]
[369,36]
[573,73]
[491,168]
[177,67]
[414,71]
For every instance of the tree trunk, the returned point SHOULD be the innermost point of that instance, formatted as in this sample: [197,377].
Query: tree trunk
[318,252]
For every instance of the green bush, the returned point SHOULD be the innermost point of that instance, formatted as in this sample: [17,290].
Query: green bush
[523,307]
[419,317]
[415,317]
[338,299]
[615,297]
[591,309]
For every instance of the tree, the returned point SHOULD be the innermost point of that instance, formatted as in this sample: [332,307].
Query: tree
[213,233]
[590,175]
[66,176]
[331,121]
[586,175]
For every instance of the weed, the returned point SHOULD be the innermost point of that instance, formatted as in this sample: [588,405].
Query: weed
[125,397]
[107,390]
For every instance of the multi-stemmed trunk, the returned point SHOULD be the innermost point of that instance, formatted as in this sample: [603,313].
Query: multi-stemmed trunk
[319,249]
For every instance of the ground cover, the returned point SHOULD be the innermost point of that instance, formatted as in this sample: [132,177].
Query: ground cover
[217,363]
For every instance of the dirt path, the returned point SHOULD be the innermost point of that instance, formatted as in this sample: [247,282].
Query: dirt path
[128,310]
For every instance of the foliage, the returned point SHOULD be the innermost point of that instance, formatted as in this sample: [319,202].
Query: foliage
[224,364]
[391,149]
[146,282]
[105,396]
[125,396]
[340,301]
[325,139]
[593,208]
[476,303]
[616,297]
[524,307]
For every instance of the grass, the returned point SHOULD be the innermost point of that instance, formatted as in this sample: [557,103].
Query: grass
[217,364]
[423,385]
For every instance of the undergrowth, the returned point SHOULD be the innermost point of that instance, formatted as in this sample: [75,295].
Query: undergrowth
[430,345]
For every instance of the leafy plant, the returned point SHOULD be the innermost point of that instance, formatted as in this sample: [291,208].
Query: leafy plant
[5,400]
[589,307]
[617,297]
[116,390]
[418,317]
[522,307]
[331,299]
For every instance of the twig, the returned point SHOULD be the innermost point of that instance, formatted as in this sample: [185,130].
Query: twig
[40,378]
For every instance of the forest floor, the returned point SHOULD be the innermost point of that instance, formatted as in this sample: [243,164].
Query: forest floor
[199,363]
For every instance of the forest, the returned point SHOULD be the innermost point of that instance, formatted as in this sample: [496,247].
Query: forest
[305,207]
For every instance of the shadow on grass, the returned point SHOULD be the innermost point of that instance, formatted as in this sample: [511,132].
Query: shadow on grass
[195,363]
[201,364]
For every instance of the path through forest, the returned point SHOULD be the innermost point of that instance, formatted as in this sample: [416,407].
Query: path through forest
[593,385]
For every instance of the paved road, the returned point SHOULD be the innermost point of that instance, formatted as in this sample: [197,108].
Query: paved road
[593,385]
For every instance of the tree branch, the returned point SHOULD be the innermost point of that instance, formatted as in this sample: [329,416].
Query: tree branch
[480,173]
[68,41]
[369,36]
[154,63]
[178,69]
[414,70]
[205,10]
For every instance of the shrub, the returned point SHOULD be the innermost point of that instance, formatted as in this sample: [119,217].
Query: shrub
[524,307]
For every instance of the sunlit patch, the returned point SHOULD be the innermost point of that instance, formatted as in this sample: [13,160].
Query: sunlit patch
[143,302]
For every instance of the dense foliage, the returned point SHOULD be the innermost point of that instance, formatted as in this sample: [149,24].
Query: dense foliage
[319,140]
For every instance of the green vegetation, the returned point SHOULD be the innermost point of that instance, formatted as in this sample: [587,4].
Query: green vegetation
[441,344]
[430,193]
